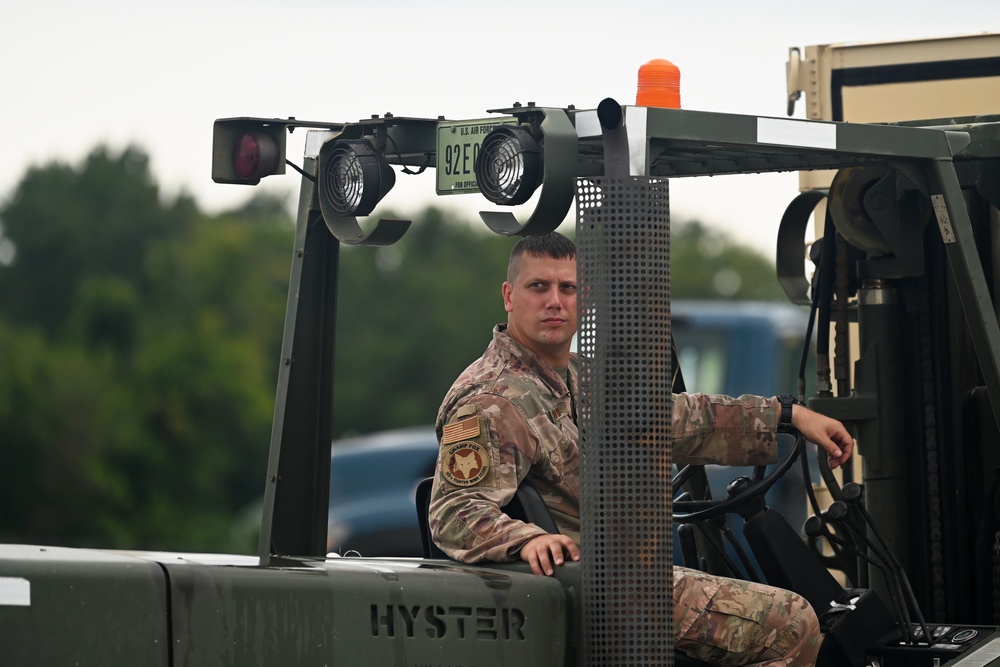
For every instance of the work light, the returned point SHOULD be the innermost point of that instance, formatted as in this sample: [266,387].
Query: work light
[509,165]
[353,178]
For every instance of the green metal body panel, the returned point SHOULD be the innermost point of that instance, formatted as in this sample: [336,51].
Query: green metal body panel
[82,607]
[373,612]
[107,608]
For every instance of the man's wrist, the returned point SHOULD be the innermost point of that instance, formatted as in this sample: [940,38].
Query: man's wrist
[786,402]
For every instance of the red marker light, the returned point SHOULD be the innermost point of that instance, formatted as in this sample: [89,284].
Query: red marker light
[256,156]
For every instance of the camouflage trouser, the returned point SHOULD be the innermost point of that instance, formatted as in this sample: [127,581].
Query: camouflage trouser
[731,622]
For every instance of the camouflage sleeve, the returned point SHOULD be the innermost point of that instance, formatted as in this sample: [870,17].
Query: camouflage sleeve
[486,450]
[725,430]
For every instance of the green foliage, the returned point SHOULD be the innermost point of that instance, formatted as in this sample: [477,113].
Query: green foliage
[411,317]
[63,421]
[137,380]
[707,264]
[71,223]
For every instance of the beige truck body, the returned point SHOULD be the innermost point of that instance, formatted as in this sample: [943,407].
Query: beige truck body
[885,82]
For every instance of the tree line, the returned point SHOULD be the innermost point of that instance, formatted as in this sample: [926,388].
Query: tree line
[139,341]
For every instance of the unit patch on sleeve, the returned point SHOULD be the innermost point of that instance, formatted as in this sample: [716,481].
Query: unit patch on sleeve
[465,463]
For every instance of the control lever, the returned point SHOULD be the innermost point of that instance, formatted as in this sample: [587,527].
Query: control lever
[853,494]
[816,526]
[880,556]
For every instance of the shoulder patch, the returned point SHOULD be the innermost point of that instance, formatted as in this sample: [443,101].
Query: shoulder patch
[465,463]
[463,429]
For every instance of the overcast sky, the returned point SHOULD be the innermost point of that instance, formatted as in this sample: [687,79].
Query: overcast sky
[77,74]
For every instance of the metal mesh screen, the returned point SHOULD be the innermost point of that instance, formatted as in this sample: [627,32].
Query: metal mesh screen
[623,245]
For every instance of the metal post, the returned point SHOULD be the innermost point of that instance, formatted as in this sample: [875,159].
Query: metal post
[297,491]
[623,236]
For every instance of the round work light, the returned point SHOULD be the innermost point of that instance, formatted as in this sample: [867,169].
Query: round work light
[353,178]
[509,165]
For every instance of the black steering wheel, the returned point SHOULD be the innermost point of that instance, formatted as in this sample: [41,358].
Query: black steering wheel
[742,490]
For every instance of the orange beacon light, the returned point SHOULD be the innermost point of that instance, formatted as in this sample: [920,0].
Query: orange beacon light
[659,85]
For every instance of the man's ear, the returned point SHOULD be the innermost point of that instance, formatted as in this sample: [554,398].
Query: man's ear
[506,290]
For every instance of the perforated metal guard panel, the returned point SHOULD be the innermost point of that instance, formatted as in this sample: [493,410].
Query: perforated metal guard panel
[623,245]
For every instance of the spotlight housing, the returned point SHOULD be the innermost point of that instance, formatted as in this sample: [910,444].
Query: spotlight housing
[509,165]
[353,178]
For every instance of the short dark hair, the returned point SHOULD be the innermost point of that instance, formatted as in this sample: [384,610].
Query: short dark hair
[553,245]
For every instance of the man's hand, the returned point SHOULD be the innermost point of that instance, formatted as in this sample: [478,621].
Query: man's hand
[826,432]
[545,550]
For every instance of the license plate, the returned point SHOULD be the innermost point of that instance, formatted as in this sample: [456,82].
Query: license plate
[458,144]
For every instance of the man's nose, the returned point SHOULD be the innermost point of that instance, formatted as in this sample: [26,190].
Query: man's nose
[554,299]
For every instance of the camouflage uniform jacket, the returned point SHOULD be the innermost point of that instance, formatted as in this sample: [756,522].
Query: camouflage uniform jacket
[510,416]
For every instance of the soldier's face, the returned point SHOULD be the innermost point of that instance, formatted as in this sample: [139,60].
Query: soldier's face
[541,306]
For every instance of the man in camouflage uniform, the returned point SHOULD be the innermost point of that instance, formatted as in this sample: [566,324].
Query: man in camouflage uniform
[511,416]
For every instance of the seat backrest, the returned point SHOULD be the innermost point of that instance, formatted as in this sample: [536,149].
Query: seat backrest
[527,505]
[431,550]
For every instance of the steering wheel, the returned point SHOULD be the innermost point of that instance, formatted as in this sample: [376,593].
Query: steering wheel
[742,490]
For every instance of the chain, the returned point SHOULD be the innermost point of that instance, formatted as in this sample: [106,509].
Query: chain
[929,413]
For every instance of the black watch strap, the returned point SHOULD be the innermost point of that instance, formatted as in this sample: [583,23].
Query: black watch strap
[785,422]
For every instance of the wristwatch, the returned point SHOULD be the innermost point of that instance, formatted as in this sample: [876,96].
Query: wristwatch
[785,422]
